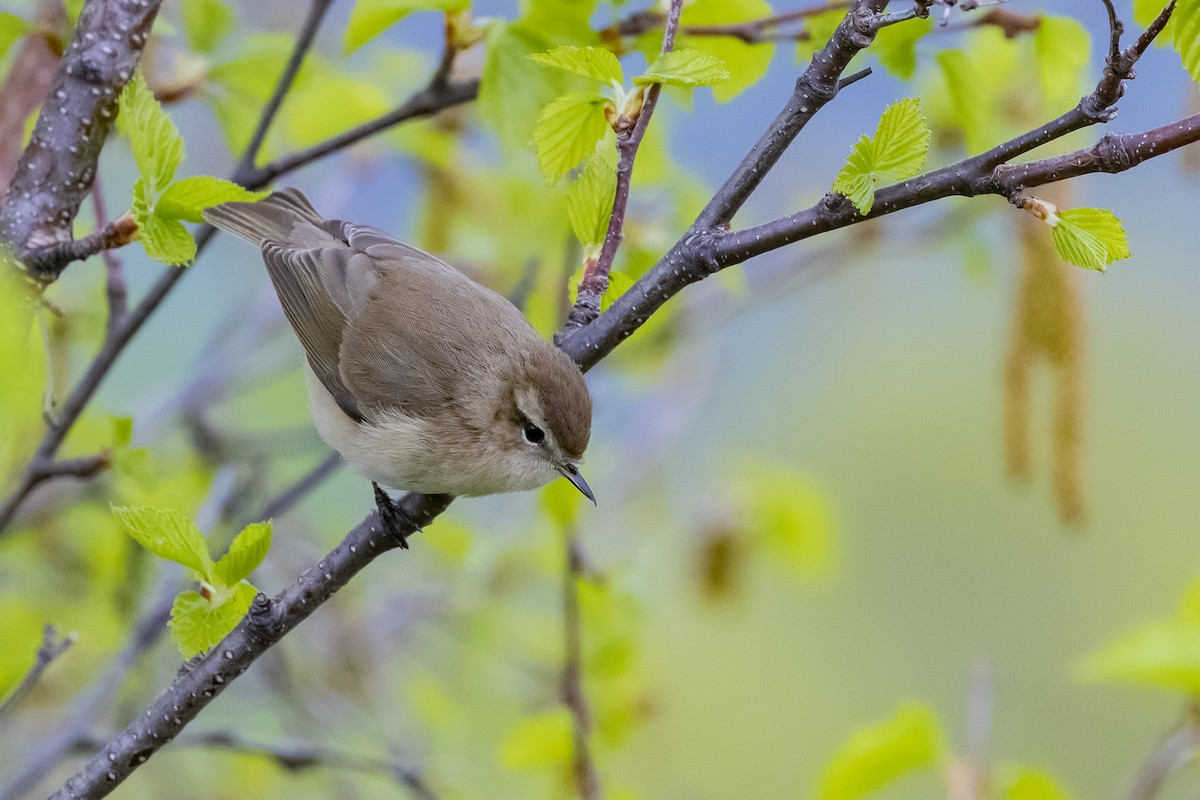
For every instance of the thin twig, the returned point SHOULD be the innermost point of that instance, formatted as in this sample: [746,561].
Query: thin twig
[1172,753]
[304,41]
[755,31]
[631,129]
[587,779]
[51,648]
[293,494]
[116,290]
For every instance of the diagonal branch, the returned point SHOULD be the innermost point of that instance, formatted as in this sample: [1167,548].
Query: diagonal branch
[55,172]
[631,129]
[51,648]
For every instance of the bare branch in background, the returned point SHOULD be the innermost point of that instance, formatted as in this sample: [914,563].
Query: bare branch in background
[587,779]
[28,82]
[51,648]
[115,287]
[293,494]
[56,170]
[765,29]
[1176,750]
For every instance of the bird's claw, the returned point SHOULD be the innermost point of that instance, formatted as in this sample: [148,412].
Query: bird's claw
[393,517]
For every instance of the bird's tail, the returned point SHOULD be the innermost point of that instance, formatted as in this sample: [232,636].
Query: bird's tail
[273,219]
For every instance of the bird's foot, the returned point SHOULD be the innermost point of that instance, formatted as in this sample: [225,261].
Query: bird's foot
[393,516]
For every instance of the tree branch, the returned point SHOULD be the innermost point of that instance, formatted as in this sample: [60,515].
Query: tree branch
[755,31]
[631,129]
[587,781]
[56,170]
[29,81]
[51,648]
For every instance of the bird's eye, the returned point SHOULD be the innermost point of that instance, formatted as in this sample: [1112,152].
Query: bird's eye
[533,434]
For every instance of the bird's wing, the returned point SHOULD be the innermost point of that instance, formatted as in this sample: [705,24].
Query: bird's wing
[309,268]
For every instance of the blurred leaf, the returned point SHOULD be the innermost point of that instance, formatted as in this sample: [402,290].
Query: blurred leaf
[21,631]
[565,20]
[206,23]
[23,365]
[896,46]
[595,63]
[246,552]
[561,502]
[685,68]
[156,143]
[513,90]
[1023,783]
[878,754]
[1063,49]
[185,199]
[356,99]
[1186,23]
[1164,654]
[590,197]
[256,67]
[1089,237]
[539,741]
[746,63]
[12,28]
[197,625]
[369,18]
[897,152]
[567,132]
[787,513]
[168,534]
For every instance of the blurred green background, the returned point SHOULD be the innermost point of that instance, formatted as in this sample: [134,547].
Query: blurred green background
[865,371]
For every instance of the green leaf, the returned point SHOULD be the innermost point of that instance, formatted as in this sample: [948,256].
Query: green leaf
[1022,783]
[746,63]
[538,742]
[878,754]
[1089,237]
[567,132]
[206,23]
[896,46]
[897,152]
[590,197]
[12,28]
[1163,654]
[685,68]
[168,534]
[1064,51]
[513,90]
[820,29]
[156,143]
[596,63]
[197,625]
[1186,22]
[369,18]
[164,240]
[787,513]
[246,552]
[187,198]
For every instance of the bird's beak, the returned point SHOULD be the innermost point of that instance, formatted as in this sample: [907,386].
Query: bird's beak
[571,473]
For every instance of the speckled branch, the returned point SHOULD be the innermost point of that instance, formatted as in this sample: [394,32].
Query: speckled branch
[56,170]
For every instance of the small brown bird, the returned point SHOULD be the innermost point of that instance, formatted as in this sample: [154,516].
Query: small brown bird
[421,378]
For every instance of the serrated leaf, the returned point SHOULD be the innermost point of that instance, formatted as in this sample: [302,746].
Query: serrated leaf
[596,63]
[1164,654]
[246,552]
[590,198]
[1186,22]
[1089,237]
[206,23]
[878,754]
[1064,49]
[746,63]
[156,143]
[685,68]
[897,152]
[369,18]
[567,132]
[538,742]
[166,240]
[168,534]
[896,46]
[197,625]
[12,28]
[186,199]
